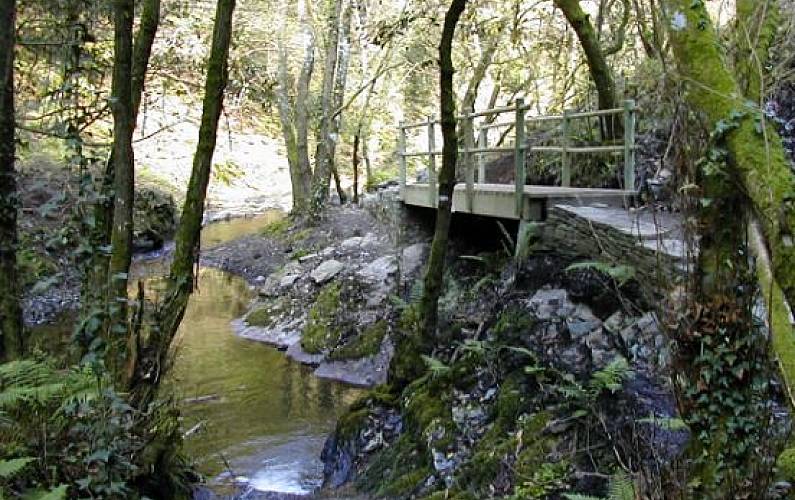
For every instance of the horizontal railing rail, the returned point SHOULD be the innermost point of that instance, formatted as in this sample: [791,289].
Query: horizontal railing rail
[563,146]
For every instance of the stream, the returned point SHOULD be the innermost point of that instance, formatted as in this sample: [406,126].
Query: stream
[256,420]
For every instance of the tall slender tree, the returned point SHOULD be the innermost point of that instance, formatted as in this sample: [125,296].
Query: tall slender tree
[434,275]
[147,363]
[94,290]
[11,334]
[124,176]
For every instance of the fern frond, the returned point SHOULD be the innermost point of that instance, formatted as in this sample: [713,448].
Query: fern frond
[612,376]
[578,496]
[10,468]
[58,493]
[621,487]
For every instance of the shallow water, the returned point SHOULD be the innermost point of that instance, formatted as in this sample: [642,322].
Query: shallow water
[260,419]
[261,416]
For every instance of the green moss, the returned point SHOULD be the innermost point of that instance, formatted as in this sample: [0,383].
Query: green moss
[349,424]
[405,485]
[451,495]
[277,228]
[367,343]
[392,463]
[320,332]
[511,401]
[260,316]
[786,464]
[534,447]
[425,408]
[512,322]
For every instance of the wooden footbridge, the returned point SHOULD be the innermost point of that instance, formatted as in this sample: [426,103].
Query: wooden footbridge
[566,139]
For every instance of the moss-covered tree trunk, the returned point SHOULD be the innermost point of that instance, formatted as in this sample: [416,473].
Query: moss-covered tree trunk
[123,179]
[756,173]
[757,155]
[147,364]
[94,289]
[756,24]
[434,274]
[11,328]
[597,62]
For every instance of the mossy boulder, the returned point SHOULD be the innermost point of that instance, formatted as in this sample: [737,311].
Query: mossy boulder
[154,218]
[321,332]
[364,344]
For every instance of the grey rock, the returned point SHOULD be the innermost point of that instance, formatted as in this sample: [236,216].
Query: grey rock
[615,323]
[379,270]
[412,258]
[365,372]
[289,280]
[326,271]
[551,303]
[351,243]
[308,257]
[328,252]
[369,240]
[270,288]
[297,353]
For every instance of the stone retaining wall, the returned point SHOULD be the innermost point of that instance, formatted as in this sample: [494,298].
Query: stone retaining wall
[655,248]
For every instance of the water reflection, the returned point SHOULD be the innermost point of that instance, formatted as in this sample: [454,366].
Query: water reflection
[258,411]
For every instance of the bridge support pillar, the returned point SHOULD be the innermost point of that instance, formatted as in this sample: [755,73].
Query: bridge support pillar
[529,234]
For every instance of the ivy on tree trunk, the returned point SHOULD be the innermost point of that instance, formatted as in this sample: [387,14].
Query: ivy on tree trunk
[11,327]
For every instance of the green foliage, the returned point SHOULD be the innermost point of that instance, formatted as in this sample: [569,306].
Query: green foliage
[76,431]
[277,228]
[621,488]
[227,172]
[11,468]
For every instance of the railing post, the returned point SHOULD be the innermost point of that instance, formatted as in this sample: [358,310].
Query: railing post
[432,189]
[483,140]
[519,155]
[468,161]
[565,169]
[402,158]
[629,145]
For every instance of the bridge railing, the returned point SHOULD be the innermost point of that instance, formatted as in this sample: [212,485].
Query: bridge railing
[473,154]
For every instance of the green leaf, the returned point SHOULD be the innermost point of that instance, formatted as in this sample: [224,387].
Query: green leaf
[10,468]
[58,493]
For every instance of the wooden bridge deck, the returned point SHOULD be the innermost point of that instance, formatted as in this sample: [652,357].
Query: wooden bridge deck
[519,201]
[499,200]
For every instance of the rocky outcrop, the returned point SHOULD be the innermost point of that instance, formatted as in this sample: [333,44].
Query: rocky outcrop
[329,305]
[519,400]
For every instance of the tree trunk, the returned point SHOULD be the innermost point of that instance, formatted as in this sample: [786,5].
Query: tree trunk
[334,80]
[146,369]
[11,327]
[758,163]
[94,289]
[302,105]
[434,276]
[757,22]
[286,118]
[356,168]
[124,178]
[597,63]
[758,160]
